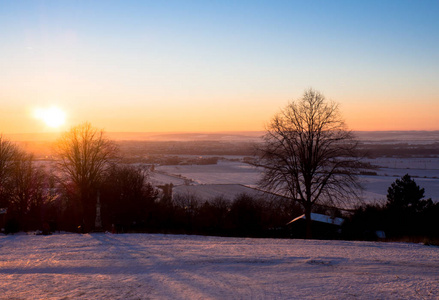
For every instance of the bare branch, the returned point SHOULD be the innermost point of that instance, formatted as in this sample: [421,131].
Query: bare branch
[308,154]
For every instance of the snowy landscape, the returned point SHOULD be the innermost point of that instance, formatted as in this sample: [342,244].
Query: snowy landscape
[222,178]
[154,266]
[158,266]
[219,150]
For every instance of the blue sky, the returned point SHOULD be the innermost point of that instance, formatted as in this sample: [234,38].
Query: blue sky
[218,65]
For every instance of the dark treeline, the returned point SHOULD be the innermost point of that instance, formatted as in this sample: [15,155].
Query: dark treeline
[188,214]
[148,149]
[401,150]
[405,216]
[25,188]
[139,148]
[64,196]
[376,149]
[89,179]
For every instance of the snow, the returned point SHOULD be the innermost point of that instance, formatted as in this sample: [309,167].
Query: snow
[239,173]
[148,266]
[376,187]
[321,218]
[224,172]
[157,178]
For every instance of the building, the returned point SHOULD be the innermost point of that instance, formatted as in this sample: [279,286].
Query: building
[323,226]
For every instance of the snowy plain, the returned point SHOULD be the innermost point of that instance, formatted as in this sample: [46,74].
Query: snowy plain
[154,266]
[224,172]
[425,171]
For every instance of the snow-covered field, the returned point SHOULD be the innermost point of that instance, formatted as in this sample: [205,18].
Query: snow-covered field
[424,170]
[145,266]
[225,172]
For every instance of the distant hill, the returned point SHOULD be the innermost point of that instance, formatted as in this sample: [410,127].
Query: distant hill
[187,136]
[151,136]
[365,136]
[399,136]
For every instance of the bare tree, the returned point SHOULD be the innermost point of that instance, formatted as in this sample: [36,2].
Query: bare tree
[22,185]
[9,154]
[84,156]
[28,191]
[126,196]
[309,156]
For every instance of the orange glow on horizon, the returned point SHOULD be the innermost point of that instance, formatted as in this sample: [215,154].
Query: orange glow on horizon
[233,115]
[389,117]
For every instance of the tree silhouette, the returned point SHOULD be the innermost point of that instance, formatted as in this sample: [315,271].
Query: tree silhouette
[29,191]
[84,156]
[9,155]
[23,187]
[405,194]
[309,156]
[126,196]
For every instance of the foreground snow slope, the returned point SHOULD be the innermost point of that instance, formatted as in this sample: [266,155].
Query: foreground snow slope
[143,266]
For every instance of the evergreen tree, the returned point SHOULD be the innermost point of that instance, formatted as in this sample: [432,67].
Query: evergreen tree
[405,194]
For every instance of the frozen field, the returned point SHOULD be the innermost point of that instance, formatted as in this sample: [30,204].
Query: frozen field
[225,172]
[144,266]
[424,170]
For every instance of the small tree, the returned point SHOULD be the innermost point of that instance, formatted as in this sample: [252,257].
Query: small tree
[408,214]
[186,207]
[246,215]
[85,154]
[309,156]
[405,194]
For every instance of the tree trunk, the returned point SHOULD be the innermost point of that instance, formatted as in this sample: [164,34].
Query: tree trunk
[308,222]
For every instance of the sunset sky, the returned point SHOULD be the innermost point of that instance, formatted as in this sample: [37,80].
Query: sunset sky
[157,66]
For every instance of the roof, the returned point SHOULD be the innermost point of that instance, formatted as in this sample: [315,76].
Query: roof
[320,218]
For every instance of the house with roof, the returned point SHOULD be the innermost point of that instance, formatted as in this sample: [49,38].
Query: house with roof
[323,226]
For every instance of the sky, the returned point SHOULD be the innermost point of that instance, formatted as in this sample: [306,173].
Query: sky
[185,66]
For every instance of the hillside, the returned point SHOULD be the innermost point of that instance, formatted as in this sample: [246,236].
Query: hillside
[144,266]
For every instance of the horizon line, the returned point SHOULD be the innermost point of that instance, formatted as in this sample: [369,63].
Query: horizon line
[220,135]
[209,132]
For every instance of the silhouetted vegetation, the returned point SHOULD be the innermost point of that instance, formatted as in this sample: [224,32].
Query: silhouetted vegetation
[126,198]
[146,149]
[85,155]
[309,156]
[62,194]
[26,190]
[406,215]
[400,150]
[158,151]
[160,159]
[243,216]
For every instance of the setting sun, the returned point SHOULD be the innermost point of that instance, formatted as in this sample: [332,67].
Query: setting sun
[52,116]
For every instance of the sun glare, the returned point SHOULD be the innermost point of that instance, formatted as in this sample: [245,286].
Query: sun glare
[52,116]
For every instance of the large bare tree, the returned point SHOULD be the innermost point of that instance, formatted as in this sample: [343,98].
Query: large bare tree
[309,156]
[84,156]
